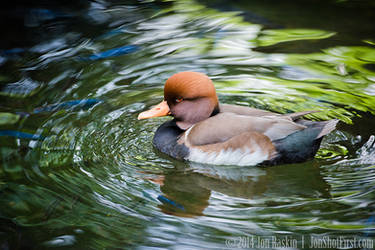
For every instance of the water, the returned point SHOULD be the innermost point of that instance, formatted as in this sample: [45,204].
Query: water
[78,169]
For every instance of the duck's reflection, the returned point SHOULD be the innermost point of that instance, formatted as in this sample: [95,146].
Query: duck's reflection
[187,190]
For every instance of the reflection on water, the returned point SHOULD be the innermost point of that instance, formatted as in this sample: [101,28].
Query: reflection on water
[78,169]
[257,187]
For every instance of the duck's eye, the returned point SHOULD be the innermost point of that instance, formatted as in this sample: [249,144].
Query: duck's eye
[178,100]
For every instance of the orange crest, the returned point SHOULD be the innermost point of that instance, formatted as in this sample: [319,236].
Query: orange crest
[189,85]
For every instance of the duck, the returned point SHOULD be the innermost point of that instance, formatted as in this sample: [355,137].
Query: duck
[205,131]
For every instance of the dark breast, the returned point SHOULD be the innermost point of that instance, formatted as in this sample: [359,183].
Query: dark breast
[165,140]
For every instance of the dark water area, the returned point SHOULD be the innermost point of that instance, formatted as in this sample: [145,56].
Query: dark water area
[351,20]
[79,171]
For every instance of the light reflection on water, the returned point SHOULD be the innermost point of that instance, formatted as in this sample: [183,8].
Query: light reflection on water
[96,181]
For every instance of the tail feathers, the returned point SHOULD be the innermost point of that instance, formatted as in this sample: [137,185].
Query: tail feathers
[328,128]
[318,129]
[303,144]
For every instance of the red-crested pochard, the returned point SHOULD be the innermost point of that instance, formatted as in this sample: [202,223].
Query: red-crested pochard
[208,132]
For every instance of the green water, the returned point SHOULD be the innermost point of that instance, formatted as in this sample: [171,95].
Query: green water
[90,178]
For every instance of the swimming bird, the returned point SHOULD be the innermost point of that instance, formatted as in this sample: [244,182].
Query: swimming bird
[206,131]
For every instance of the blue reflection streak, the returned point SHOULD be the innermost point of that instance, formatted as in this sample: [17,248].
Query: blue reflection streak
[21,135]
[85,103]
[12,52]
[370,222]
[36,16]
[112,53]
[150,194]
[165,200]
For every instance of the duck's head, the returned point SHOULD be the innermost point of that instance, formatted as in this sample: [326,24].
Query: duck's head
[189,97]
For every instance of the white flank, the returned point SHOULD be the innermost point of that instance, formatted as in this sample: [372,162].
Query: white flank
[239,157]
[228,157]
